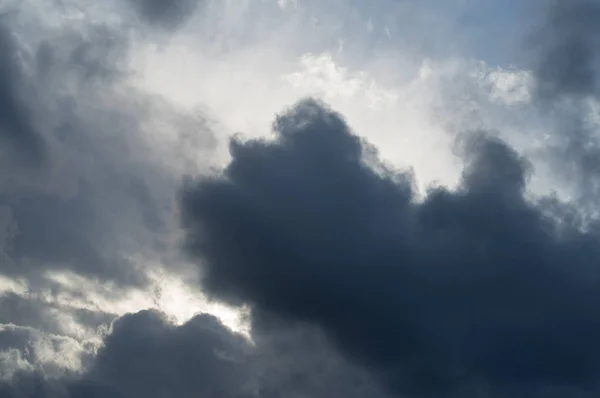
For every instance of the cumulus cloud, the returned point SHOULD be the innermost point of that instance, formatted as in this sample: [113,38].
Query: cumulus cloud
[465,288]
[145,355]
[87,187]
[355,281]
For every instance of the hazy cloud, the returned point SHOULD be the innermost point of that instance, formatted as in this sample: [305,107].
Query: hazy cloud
[21,141]
[104,194]
[165,13]
[567,43]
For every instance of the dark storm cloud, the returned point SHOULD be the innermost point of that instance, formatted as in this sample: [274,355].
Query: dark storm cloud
[34,385]
[165,13]
[146,356]
[296,359]
[101,197]
[464,292]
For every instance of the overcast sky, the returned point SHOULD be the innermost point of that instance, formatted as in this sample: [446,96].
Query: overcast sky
[299,198]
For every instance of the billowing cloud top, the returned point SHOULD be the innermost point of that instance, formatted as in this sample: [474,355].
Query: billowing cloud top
[398,217]
[476,285]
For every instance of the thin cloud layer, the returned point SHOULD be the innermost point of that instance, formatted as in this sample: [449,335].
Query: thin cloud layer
[466,289]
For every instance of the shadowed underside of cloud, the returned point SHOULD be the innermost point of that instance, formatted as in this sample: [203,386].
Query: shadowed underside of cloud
[465,290]
[147,356]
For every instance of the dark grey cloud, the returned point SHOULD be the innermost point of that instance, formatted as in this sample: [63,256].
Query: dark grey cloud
[168,14]
[296,359]
[470,291]
[566,44]
[56,225]
[103,195]
[145,355]
[105,192]
[20,139]
[564,49]
[35,385]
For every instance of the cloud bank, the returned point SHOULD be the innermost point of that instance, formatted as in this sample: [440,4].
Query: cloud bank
[419,221]
[476,286]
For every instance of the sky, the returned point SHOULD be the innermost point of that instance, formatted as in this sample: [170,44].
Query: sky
[299,198]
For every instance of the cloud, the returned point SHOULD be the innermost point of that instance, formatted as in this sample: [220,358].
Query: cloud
[28,350]
[87,192]
[17,129]
[105,193]
[86,231]
[566,90]
[145,355]
[566,44]
[168,14]
[358,284]
[465,288]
